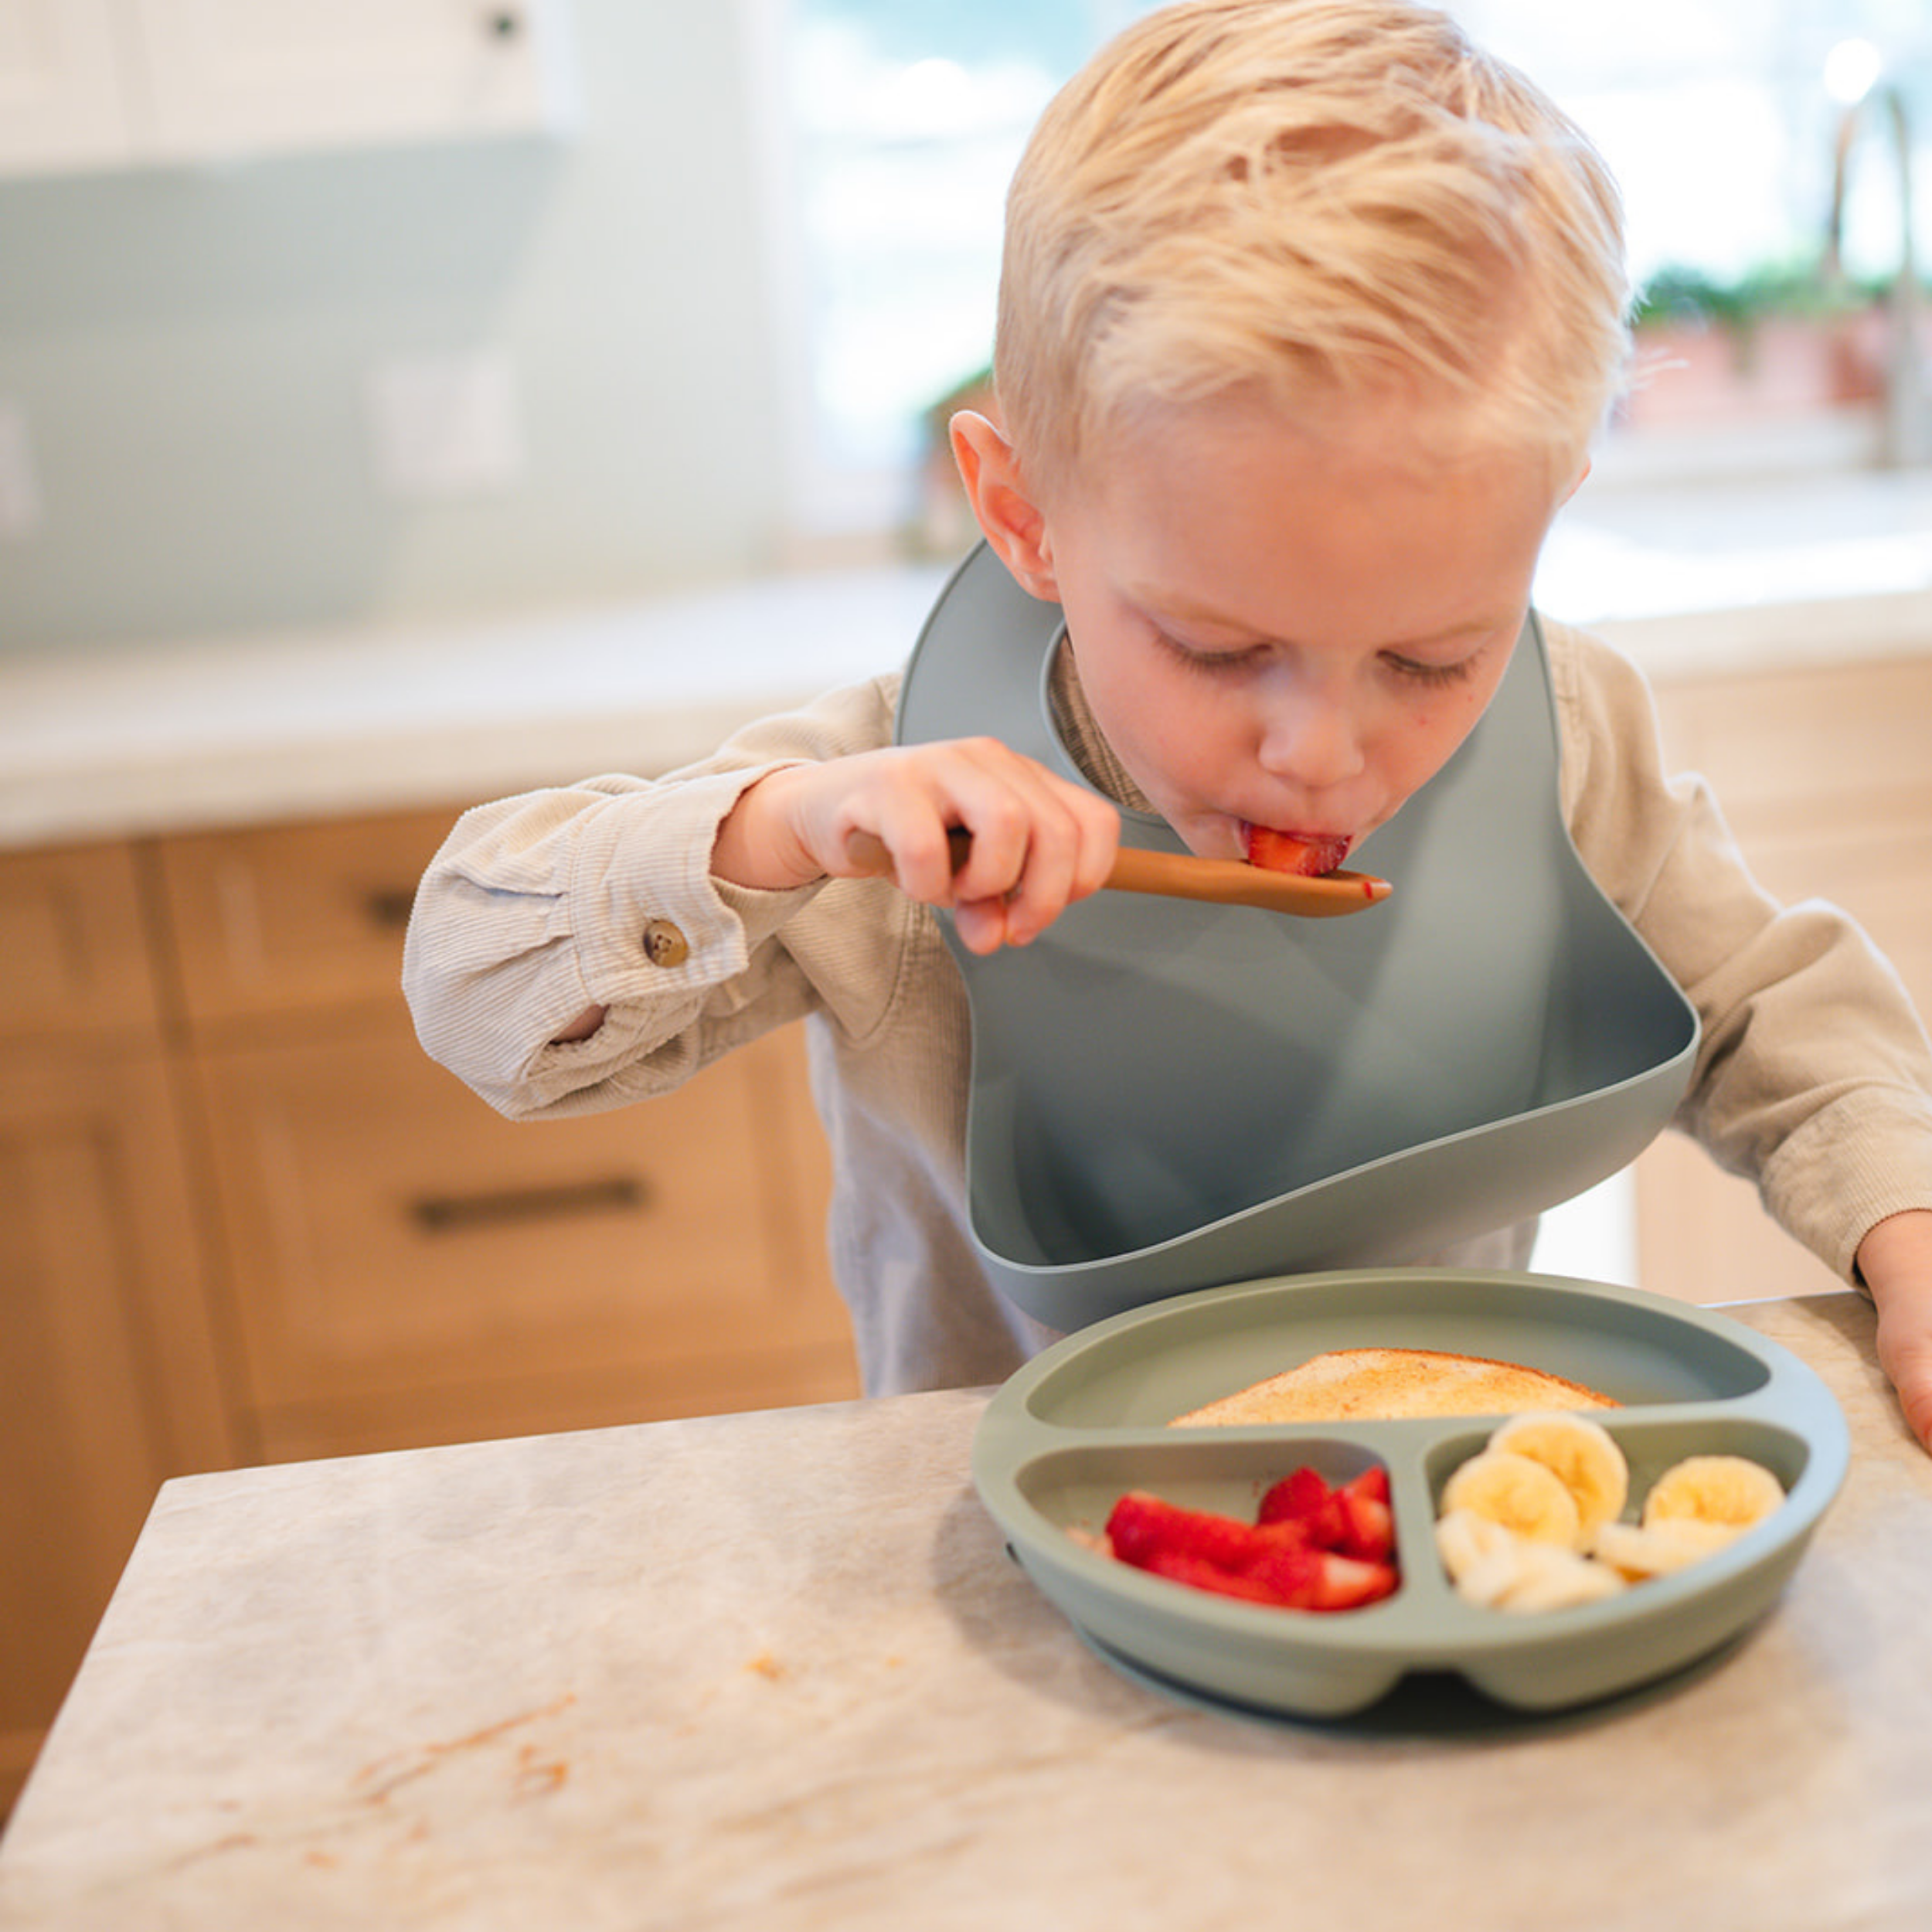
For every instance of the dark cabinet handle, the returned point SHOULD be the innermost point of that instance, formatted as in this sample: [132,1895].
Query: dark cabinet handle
[503,1207]
[388,909]
[505,23]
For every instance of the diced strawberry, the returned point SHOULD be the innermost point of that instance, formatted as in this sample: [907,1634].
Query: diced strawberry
[1178,1566]
[1276,851]
[1315,1548]
[1367,1527]
[1296,1498]
[1346,1584]
[1142,1525]
[1321,1579]
[1373,1483]
[1291,1574]
[1356,1518]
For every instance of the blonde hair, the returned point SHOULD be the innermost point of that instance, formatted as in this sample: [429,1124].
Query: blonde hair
[1304,199]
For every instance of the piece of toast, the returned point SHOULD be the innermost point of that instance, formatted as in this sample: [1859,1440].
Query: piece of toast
[1363,1384]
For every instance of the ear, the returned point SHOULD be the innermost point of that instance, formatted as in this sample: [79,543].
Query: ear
[1014,524]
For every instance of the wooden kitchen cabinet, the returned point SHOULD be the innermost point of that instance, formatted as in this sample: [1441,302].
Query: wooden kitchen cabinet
[243,1217]
[1823,777]
[411,1268]
[74,947]
[110,1349]
[406,1266]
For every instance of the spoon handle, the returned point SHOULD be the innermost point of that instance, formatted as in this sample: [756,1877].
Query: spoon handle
[1170,875]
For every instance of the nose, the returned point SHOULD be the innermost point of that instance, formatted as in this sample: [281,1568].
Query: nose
[1311,736]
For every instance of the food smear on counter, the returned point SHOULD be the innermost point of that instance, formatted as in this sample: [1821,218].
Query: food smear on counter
[1535,1520]
[1313,856]
[1312,1546]
[1381,1384]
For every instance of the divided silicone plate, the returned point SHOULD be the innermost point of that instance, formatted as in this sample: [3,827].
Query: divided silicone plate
[1088,1418]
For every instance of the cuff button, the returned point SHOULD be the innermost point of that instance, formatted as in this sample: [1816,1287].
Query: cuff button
[664,944]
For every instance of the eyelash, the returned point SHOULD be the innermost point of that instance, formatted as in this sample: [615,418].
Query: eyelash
[1430,676]
[1435,676]
[1209,663]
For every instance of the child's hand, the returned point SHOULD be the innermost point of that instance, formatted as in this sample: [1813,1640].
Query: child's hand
[1039,842]
[1896,1260]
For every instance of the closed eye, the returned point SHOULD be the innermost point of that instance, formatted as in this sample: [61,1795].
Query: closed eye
[1210,663]
[1435,676]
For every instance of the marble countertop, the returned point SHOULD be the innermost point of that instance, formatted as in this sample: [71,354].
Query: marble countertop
[776,1670]
[133,738]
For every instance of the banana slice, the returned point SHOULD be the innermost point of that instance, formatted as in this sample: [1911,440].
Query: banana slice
[1551,1578]
[1482,1557]
[1585,1457]
[1494,1568]
[1731,1490]
[1523,1495]
[1637,1551]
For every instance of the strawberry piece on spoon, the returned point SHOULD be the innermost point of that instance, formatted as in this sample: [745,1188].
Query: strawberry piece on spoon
[1279,852]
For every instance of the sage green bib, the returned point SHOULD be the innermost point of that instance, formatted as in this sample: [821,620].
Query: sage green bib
[1167,1095]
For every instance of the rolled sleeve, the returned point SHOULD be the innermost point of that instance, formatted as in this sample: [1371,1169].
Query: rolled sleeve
[600,894]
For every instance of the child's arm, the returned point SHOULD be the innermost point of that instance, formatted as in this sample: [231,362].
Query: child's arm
[569,948]
[1895,1261]
[528,965]
[1814,1074]
[1039,843]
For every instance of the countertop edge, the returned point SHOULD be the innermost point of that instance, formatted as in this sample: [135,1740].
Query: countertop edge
[136,743]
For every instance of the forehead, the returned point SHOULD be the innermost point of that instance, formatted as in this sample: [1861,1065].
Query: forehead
[1361,516]
[1349,456]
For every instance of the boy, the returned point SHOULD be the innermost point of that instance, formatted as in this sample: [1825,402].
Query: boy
[1308,314]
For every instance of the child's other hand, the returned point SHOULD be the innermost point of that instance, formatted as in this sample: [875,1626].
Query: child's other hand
[1039,842]
[1895,1260]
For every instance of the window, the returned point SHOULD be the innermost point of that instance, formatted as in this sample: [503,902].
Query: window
[1719,116]
[902,121]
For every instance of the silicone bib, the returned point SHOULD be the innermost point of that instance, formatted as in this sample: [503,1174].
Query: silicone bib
[1169,1095]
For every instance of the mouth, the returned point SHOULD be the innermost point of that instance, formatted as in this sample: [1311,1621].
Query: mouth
[1311,854]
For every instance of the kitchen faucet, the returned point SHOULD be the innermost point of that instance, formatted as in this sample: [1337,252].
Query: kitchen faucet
[1907,431]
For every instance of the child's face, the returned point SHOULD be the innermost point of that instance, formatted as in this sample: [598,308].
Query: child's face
[1287,628]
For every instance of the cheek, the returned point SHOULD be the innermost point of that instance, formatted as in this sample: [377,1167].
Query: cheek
[1428,736]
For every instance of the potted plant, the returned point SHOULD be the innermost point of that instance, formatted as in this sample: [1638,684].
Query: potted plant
[1781,340]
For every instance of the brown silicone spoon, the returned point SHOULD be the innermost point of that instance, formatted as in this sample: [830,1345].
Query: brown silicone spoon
[1174,875]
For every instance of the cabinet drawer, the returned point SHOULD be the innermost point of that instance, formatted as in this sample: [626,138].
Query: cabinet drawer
[287,918]
[390,1234]
[73,957]
[106,1359]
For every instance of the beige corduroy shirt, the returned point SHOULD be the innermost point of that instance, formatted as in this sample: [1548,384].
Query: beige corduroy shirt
[1814,1075]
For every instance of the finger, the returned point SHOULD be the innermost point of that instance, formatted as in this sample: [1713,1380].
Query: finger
[913,849]
[1074,839]
[1045,887]
[980,924]
[1038,841]
[1907,1362]
[1913,1383]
